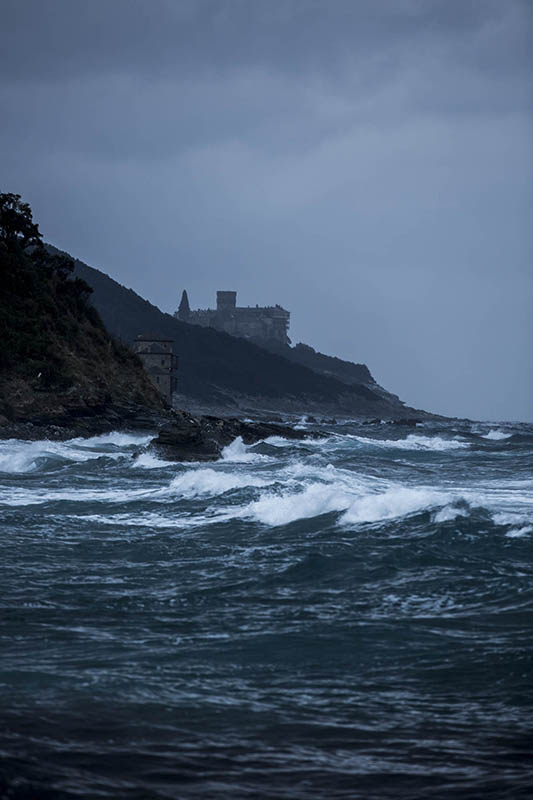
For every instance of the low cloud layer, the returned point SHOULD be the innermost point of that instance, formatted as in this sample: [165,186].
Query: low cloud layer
[366,164]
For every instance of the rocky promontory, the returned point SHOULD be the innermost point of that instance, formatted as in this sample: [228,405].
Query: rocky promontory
[202,438]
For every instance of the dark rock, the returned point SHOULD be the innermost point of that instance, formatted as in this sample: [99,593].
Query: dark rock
[331,421]
[375,421]
[71,424]
[409,422]
[202,438]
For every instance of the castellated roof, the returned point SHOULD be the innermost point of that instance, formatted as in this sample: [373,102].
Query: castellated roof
[156,349]
[152,337]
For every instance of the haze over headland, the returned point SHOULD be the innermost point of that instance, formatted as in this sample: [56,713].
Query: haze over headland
[367,165]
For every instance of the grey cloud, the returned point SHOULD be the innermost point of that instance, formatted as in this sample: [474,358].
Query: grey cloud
[368,164]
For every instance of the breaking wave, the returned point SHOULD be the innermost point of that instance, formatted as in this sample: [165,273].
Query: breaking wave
[19,456]
[416,442]
[497,435]
[209,481]
[238,452]
[312,597]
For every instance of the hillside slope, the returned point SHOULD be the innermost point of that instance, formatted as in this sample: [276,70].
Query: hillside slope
[57,361]
[219,370]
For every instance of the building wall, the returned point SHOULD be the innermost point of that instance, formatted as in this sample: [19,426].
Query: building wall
[146,346]
[155,360]
[269,323]
[164,383]
[160,364]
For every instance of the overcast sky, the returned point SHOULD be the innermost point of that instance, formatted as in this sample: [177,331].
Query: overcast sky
[367,164]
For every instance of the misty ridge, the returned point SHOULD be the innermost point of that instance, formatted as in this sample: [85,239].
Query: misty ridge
[230,374]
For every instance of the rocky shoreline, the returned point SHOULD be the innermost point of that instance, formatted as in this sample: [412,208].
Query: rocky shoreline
[90,422]
[202,438]
[178,435]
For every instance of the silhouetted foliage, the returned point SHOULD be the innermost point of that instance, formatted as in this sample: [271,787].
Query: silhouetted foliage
[17,228]
[40,302]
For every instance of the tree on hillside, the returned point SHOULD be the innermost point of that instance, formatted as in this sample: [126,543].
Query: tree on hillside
[19,233]
[17,228]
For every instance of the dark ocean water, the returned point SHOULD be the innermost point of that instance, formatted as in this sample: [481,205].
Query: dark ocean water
[349,618]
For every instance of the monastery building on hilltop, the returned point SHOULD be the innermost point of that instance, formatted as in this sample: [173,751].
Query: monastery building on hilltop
[268,323]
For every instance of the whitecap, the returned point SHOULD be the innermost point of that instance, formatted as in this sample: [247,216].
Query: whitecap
[18,462]
[496,435]
[237,451]
[449,513]
[511,518]
[210,482]
[149,461]
[518,533]
[19,456]
[395,502]
[273,509]
[22,497]
[416,442]
[117,438]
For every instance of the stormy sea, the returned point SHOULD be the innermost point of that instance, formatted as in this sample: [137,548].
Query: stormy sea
[348,617]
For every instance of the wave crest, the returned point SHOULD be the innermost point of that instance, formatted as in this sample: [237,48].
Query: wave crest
[396,502]
[416,442]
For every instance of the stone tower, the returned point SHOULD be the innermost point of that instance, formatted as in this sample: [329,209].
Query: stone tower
[159,362]
[184,310]
[226,302]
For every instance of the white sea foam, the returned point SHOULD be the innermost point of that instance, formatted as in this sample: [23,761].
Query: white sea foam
[210,482]
[496,435]
[316,499]
[319,443]
[238,452]
[141,520]
[116,438]
[518,533]
[193,483]
[311,471]
[18,461]
[519,524]
[149,461]
[416,442]
[514,518]
[449,513]
[396,502]
[19,456]
[24,497]
[321,498]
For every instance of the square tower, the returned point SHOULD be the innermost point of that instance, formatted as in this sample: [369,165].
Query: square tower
[226,302]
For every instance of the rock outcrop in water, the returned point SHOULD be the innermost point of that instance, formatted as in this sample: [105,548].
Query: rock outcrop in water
[202,438]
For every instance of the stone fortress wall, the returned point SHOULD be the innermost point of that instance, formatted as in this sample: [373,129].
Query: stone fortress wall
[261,323]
